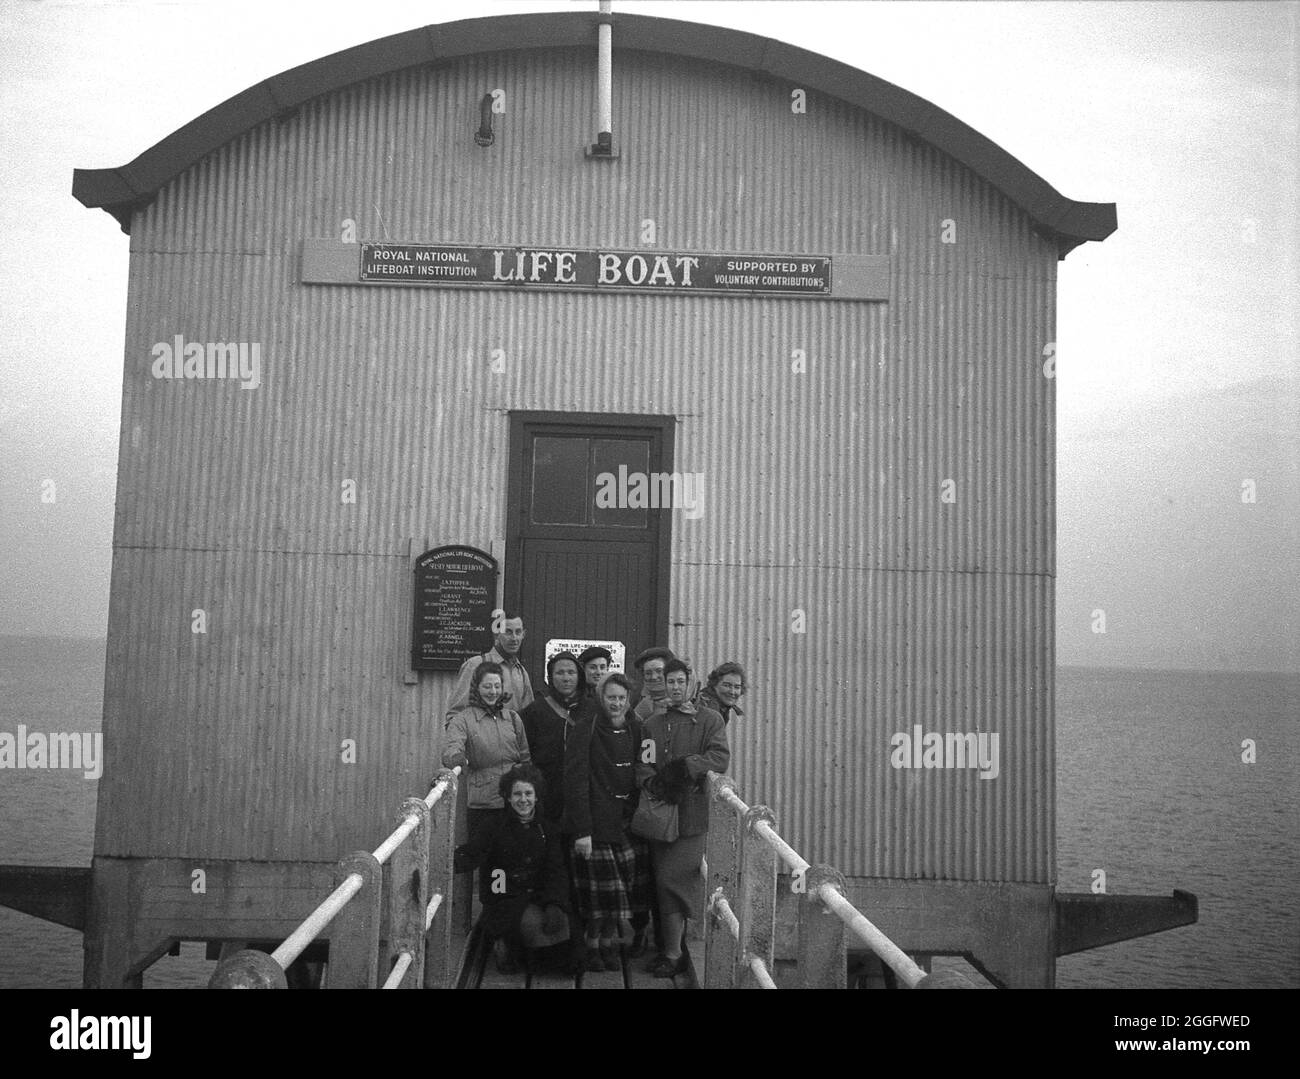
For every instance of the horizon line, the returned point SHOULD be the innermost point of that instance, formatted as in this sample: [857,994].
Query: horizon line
[1059,666]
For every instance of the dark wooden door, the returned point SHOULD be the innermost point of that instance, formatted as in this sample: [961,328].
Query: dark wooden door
[576,567]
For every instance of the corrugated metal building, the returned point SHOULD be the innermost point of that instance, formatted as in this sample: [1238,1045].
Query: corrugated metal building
[877,542]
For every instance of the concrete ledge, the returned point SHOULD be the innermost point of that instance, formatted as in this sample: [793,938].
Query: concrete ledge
[59,894]
[1006,931]
[140,906]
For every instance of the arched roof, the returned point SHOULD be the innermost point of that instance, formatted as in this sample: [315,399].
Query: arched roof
[124,189]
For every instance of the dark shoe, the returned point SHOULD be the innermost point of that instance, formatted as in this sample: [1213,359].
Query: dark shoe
[663,967]
[594,961]
[609,956]
[637,948]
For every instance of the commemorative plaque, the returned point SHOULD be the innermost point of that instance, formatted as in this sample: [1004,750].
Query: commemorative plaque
[455,593]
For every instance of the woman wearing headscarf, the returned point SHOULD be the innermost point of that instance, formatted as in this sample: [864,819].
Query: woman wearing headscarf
[547,722]
[681,746]
[609,863]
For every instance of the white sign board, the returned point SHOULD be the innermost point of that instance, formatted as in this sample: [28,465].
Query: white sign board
[616,650]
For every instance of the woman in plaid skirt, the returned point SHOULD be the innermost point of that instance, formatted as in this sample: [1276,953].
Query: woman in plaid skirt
[610,865]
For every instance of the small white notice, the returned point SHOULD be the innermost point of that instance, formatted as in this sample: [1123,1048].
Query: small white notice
[563,644]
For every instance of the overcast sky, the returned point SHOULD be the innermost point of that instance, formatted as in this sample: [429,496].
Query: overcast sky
[1177,337]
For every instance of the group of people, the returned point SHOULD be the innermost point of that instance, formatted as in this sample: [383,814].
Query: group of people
[554,782]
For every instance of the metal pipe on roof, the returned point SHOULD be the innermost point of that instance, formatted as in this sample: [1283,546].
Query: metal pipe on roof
[605,84]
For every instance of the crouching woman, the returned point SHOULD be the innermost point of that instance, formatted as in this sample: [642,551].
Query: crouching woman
[522,879]
[682,745]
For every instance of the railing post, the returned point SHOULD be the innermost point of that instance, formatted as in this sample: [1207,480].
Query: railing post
[822,956]
[722,854]
[354,933]
[756,909]
[408,894]
[439,960]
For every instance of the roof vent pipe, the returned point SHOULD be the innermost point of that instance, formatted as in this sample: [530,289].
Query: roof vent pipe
[604,145]
[483,136]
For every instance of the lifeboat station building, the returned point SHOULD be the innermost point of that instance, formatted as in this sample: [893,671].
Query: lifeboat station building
[700,340]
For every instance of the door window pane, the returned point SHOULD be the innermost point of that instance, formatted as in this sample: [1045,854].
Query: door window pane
[622,487]
[560,494]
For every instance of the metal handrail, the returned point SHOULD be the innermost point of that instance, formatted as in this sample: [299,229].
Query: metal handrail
[256,969]
[718,903]
[831,897]
[784,851]
[860,925]
[406,958]
[398,972]
[435,901]
[760,824]
[409,823]
[439,789]
[412,820]
[314,924]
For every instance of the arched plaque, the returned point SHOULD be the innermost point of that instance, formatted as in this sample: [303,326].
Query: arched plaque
[455,594]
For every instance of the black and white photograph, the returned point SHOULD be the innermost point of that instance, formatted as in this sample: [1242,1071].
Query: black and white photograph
[651,495]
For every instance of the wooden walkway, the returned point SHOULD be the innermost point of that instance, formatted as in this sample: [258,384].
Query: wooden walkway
[632,976]
[549,975]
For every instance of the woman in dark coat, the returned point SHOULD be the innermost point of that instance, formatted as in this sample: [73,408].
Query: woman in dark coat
[522,882]
[547,722]
[610,869]
[686,744]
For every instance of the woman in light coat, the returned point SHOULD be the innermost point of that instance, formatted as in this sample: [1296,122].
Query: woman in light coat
[486,739]
[680,746]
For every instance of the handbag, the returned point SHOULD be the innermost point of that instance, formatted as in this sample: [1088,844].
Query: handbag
[654,820]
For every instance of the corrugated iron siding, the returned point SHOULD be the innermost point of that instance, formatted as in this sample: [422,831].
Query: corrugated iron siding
[823,487]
